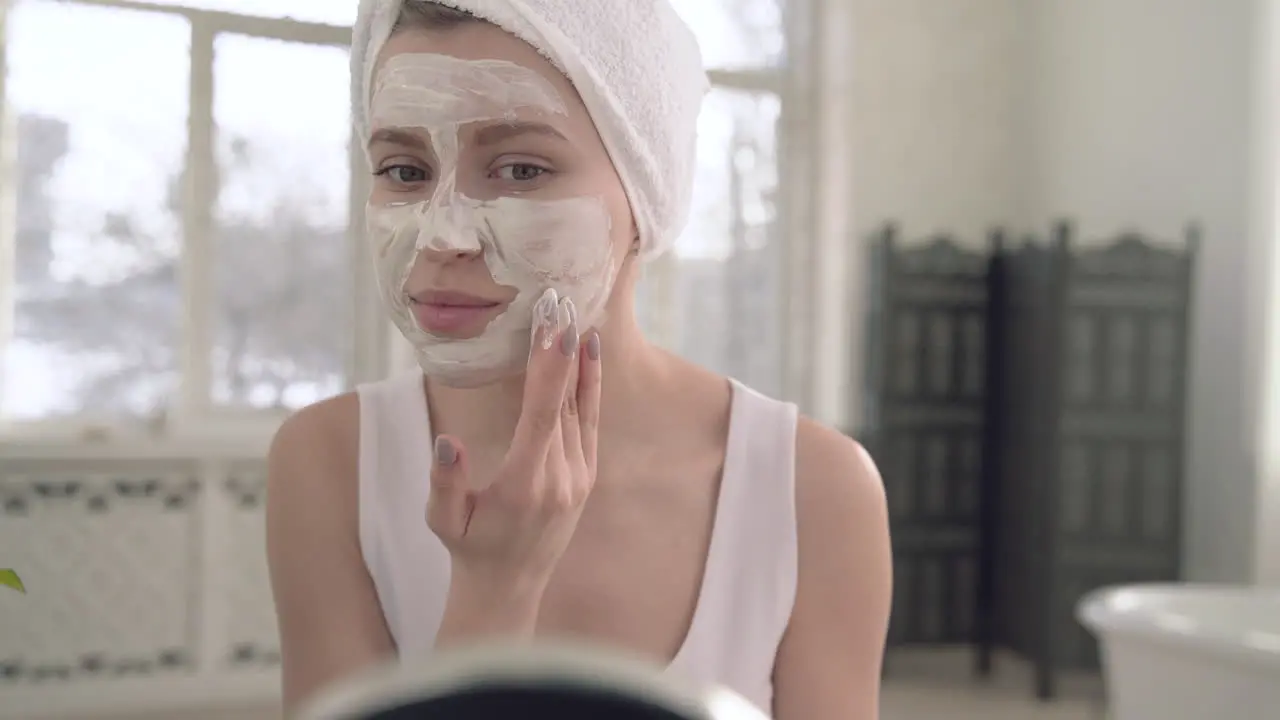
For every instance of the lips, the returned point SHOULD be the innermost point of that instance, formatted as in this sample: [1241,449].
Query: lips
[452,313]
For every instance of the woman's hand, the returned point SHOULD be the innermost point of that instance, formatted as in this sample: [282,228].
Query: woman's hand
[506,539]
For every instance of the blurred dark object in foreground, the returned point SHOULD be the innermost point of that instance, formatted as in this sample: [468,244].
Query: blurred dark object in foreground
[567,682]
[549,701]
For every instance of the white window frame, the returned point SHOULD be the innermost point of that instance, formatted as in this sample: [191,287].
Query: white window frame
[193,411]
[813,90]
[827,261]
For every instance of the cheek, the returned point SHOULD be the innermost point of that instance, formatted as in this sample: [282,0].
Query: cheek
[622,235]
[556,243]
[381,194]
[419,275]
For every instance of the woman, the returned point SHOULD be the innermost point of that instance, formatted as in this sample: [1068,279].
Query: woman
[549,472]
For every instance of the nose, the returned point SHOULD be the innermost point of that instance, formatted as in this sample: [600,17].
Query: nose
[442,253]
[447,231]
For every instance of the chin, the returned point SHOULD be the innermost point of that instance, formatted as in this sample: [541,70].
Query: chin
[469,375]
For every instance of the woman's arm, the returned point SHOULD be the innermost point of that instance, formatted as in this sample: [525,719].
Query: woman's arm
[828,667]
[331,624]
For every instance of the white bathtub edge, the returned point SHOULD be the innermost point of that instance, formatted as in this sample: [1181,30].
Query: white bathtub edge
[1109,617]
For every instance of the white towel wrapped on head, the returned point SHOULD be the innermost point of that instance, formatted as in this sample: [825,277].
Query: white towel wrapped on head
[637,67]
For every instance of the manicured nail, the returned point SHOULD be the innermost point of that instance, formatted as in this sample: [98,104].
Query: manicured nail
[446,453]
[569,324]
[568,314]
[546,319]
[593,346]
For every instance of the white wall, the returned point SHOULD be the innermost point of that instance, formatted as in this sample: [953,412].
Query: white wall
[1118,114]
[936,119]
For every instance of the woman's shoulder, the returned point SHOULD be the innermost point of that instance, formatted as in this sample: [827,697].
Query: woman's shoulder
[831,466]
[313,541]
[332,420]
[314,453]
[845,577]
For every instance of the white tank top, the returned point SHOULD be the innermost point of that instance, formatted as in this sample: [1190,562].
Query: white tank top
[749,585]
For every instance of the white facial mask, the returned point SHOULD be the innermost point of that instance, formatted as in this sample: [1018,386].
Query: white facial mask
[533,246]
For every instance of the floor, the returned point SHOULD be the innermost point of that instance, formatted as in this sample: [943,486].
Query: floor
[919,686]
[940,684]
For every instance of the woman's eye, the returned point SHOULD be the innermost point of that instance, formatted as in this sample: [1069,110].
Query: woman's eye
[404,174]
[520,172]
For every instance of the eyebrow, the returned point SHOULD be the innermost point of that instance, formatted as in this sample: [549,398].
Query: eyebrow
[398,137]
[489,135]
[494,134]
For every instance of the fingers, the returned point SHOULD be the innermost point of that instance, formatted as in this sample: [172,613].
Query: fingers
[588,399]
[551,360]
[570,433]
[448,503]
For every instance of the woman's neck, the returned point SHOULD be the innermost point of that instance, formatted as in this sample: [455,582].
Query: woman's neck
[486,417]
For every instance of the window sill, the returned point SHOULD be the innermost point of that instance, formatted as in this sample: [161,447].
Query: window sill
[134,448]
[242,440]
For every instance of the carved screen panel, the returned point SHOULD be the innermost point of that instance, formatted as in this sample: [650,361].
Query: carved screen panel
[925,395]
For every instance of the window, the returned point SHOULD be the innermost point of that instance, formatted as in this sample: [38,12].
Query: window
[179,240]
[181,235]
[96,296]
[281,292]
[719,298]
[331,12]
[716,301]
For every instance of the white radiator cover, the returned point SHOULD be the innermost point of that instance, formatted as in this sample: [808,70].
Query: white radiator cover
[146,579]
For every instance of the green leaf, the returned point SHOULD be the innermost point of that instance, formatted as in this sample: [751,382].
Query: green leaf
[10,579]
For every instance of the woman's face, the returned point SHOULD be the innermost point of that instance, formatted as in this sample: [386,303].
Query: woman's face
[491,186]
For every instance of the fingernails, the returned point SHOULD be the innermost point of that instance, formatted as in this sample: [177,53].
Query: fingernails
[593,346]
[568,312]
[446,453]
[554,316]
[546,319]
[568,321]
